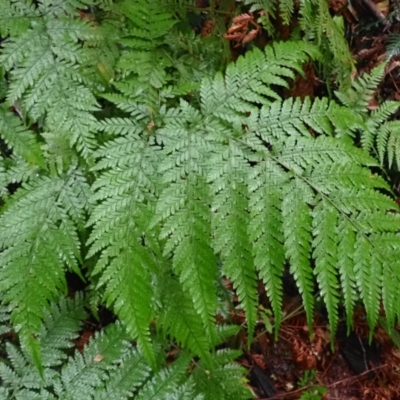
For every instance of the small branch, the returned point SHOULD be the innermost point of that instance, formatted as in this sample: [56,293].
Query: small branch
[376,12]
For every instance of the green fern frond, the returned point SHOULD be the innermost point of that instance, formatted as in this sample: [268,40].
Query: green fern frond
[38,236]
[221,380]
[15,17]
[247,82]
[180,319]
[147,24]
[286,8]
[378,136]
[388,145]
[5,317]
[60,326]
[110,367]
[392,46]
[318,27]
[21,140]
[165,382]
[375,121]
[85,374]
[310,185]
[362,90]
[325,218]
[345,232]
[43,62]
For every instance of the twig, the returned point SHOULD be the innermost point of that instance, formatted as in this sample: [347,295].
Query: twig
[285,395]
[357,376]
[377,13]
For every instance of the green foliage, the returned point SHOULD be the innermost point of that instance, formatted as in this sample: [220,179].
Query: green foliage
[379,135]
[318,27]
[393,46]
[129,159]
[313,392]
[109,367]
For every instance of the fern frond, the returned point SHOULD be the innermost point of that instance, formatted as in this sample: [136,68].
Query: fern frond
[60,326]
[286,8]
[336,167]
[374,122]
[362,90]
[21,140]
[125,377]
[345,232]
[180,319]
[165,382]
[39,237]
[5,316]
[388,143]
[392,46]
[61,323]
[248,81]
[147,24]
[86,374]
[222,380]
[16,16]
[43,64]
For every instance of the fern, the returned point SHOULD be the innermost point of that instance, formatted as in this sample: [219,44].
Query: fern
[39,236]
[44,61]
[194,199]
[392,46]
[152,181]
[108,367]
[379,136]
[318,27]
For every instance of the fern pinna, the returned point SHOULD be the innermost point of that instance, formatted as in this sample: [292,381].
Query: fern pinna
[152,181]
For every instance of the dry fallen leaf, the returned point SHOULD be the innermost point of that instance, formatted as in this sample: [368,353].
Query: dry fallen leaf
[98,358]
